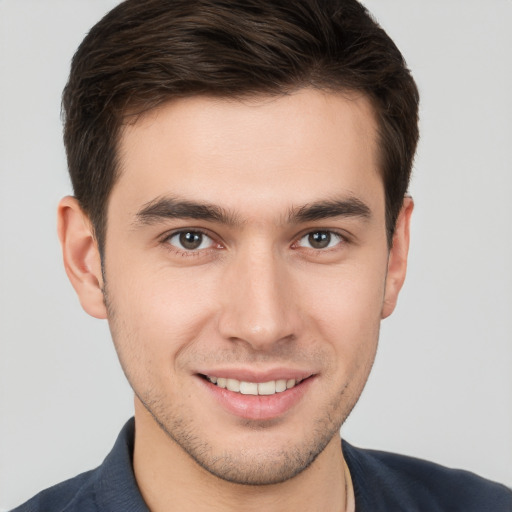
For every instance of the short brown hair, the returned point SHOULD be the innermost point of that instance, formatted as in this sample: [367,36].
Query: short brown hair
[142,54]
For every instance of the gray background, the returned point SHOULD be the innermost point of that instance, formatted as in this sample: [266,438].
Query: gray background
[442,385]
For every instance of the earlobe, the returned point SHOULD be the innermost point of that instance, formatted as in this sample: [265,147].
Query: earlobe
[81,256]
[397,261]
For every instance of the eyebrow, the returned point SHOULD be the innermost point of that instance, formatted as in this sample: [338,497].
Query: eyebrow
[349,207]
[173,208]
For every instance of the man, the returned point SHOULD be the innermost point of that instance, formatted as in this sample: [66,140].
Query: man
[240,217]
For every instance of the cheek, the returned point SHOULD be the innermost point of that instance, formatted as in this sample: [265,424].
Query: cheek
[346,306]
[156,311]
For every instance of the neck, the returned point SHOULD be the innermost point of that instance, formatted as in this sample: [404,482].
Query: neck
[169,479]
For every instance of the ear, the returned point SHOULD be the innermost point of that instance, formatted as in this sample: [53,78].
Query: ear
[81,256]
[397,261]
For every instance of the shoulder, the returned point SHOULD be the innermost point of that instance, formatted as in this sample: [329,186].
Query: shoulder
[408,483]
[111,486]
[71,495]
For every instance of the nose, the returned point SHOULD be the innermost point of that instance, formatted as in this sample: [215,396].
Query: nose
[258,304]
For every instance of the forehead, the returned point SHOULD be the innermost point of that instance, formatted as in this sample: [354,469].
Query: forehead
[252,155]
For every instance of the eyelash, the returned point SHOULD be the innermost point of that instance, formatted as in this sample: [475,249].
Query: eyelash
[190,252]
[343,240]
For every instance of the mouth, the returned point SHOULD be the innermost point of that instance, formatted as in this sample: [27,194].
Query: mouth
[257,397]
[268,388]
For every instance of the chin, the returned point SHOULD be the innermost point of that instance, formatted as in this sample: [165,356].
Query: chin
[262,453]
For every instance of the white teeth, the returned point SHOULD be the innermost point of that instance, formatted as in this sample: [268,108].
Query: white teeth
[267,388]
[280,386]
[254,388]
[248,388]
[233,385]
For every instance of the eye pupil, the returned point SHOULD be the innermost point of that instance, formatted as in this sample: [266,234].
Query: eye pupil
[319,239]
[191,240]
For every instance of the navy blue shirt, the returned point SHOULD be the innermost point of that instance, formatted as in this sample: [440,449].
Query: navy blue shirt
[382,482]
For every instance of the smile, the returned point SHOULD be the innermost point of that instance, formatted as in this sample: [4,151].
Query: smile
[254,388]
[257,396]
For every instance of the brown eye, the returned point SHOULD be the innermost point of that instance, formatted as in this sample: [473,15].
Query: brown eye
[320,240]
[190,240]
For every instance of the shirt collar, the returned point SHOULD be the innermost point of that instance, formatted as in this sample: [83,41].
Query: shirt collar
[115,487]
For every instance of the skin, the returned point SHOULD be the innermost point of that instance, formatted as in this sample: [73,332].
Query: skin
[255,298]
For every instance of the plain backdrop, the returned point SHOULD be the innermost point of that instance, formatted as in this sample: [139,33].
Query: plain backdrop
[441,387]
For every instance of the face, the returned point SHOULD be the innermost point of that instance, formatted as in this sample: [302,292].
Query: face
[245,266]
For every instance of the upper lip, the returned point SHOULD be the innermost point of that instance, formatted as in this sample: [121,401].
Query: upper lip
[249,375]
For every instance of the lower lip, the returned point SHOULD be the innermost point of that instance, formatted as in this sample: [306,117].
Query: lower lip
[258,407]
